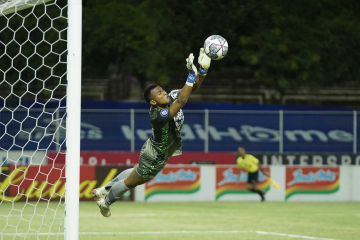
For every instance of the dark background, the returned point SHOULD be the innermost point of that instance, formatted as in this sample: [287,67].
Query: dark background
[277,46]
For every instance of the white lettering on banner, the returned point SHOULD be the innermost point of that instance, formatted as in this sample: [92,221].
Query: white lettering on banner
[260,134]
[276,160]
[187,133]
[303,160]
[291,159]
[291,135]
[317,160]
[88,131]
[180,175]
[126,131]
[251,133]
[230,177]
[217,135]
[320,175]
[331,160]
[345,160]
[340,136]
[92,161]
[200,131]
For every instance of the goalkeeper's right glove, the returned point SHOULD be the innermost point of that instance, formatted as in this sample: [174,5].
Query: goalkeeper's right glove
[204,62]
[193,70]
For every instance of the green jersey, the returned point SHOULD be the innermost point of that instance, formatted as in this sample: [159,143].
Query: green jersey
[164,142]
[166,130]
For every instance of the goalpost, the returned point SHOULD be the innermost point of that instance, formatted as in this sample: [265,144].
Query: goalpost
[40,108]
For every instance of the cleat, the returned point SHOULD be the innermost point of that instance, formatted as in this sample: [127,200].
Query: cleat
[104,209]
[99,193]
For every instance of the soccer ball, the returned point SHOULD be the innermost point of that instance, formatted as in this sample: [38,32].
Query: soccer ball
[216,47]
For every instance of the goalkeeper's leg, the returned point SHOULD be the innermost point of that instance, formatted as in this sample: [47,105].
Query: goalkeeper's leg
[116,188]
[104,191]
[120,187]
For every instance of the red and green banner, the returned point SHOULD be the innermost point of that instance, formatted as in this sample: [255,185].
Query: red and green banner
[312,180]
[227,181]
[174,180]
[48,182]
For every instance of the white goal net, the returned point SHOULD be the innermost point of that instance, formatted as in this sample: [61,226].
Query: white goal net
[34,72]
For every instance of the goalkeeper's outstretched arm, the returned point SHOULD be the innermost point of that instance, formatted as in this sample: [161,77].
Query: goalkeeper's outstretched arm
[193,82]
[187,89]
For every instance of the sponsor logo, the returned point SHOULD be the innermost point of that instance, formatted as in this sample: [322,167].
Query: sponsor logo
[227,181]
[310,180]
[174,180]
[164,112]
[248,133]
[88,131]
[24,183]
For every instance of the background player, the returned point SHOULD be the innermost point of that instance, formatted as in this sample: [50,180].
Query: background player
[252,165]
[166,119]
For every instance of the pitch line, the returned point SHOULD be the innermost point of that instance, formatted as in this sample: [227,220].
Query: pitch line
[170,232]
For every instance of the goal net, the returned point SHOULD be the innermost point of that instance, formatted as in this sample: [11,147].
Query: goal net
[35,84]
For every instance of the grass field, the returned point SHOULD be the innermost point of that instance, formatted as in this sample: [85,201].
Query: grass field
[203,220]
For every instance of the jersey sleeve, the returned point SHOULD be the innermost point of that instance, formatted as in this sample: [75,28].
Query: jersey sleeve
[174,94]
[159,117]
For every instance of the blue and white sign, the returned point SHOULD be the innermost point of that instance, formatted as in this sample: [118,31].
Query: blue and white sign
[257,132]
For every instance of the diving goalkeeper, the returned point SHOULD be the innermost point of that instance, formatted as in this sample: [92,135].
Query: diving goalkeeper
[166,118]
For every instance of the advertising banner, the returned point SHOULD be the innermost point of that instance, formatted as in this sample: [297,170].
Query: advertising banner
[174,180]
[311,180]
[47,182]
[95,158]
[130,158]
[227,181]
[107,130]
[308,159]
[23,157]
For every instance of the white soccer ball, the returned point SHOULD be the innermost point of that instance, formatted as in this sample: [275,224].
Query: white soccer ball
[216,47]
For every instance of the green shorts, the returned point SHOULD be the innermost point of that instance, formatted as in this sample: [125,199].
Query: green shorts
[151,162]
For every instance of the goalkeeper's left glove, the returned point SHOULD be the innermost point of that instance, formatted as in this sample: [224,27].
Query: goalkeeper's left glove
[204,62]
[190,64]
[193,70]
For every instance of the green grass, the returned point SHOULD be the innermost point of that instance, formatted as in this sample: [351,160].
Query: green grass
[320,220]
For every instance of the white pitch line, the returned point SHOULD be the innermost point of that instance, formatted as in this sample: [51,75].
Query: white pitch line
[170,232]
[126,215]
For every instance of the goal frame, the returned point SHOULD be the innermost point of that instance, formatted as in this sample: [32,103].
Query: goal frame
[73,121]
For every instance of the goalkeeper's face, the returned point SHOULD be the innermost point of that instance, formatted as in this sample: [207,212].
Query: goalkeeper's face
[159,97]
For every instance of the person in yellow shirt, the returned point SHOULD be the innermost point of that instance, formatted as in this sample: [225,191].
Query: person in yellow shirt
[251,165]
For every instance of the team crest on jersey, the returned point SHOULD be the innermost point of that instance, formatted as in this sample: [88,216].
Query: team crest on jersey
[164,112]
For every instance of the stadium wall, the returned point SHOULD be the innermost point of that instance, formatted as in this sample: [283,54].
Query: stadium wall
[219,183]
[187,183]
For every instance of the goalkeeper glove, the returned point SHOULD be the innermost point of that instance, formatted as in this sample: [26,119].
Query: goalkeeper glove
[193,70]
[204,62]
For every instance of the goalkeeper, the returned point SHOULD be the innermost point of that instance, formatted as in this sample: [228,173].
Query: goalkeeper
[166,118]
[252,165]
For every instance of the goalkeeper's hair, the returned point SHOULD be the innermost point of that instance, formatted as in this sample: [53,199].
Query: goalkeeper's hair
[147,91]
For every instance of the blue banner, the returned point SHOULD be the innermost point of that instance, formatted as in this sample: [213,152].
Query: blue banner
[107,130]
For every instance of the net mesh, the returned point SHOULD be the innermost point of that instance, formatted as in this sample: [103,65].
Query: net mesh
[33,53]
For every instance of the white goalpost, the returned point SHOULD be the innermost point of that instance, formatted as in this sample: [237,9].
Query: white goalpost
[40,108]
